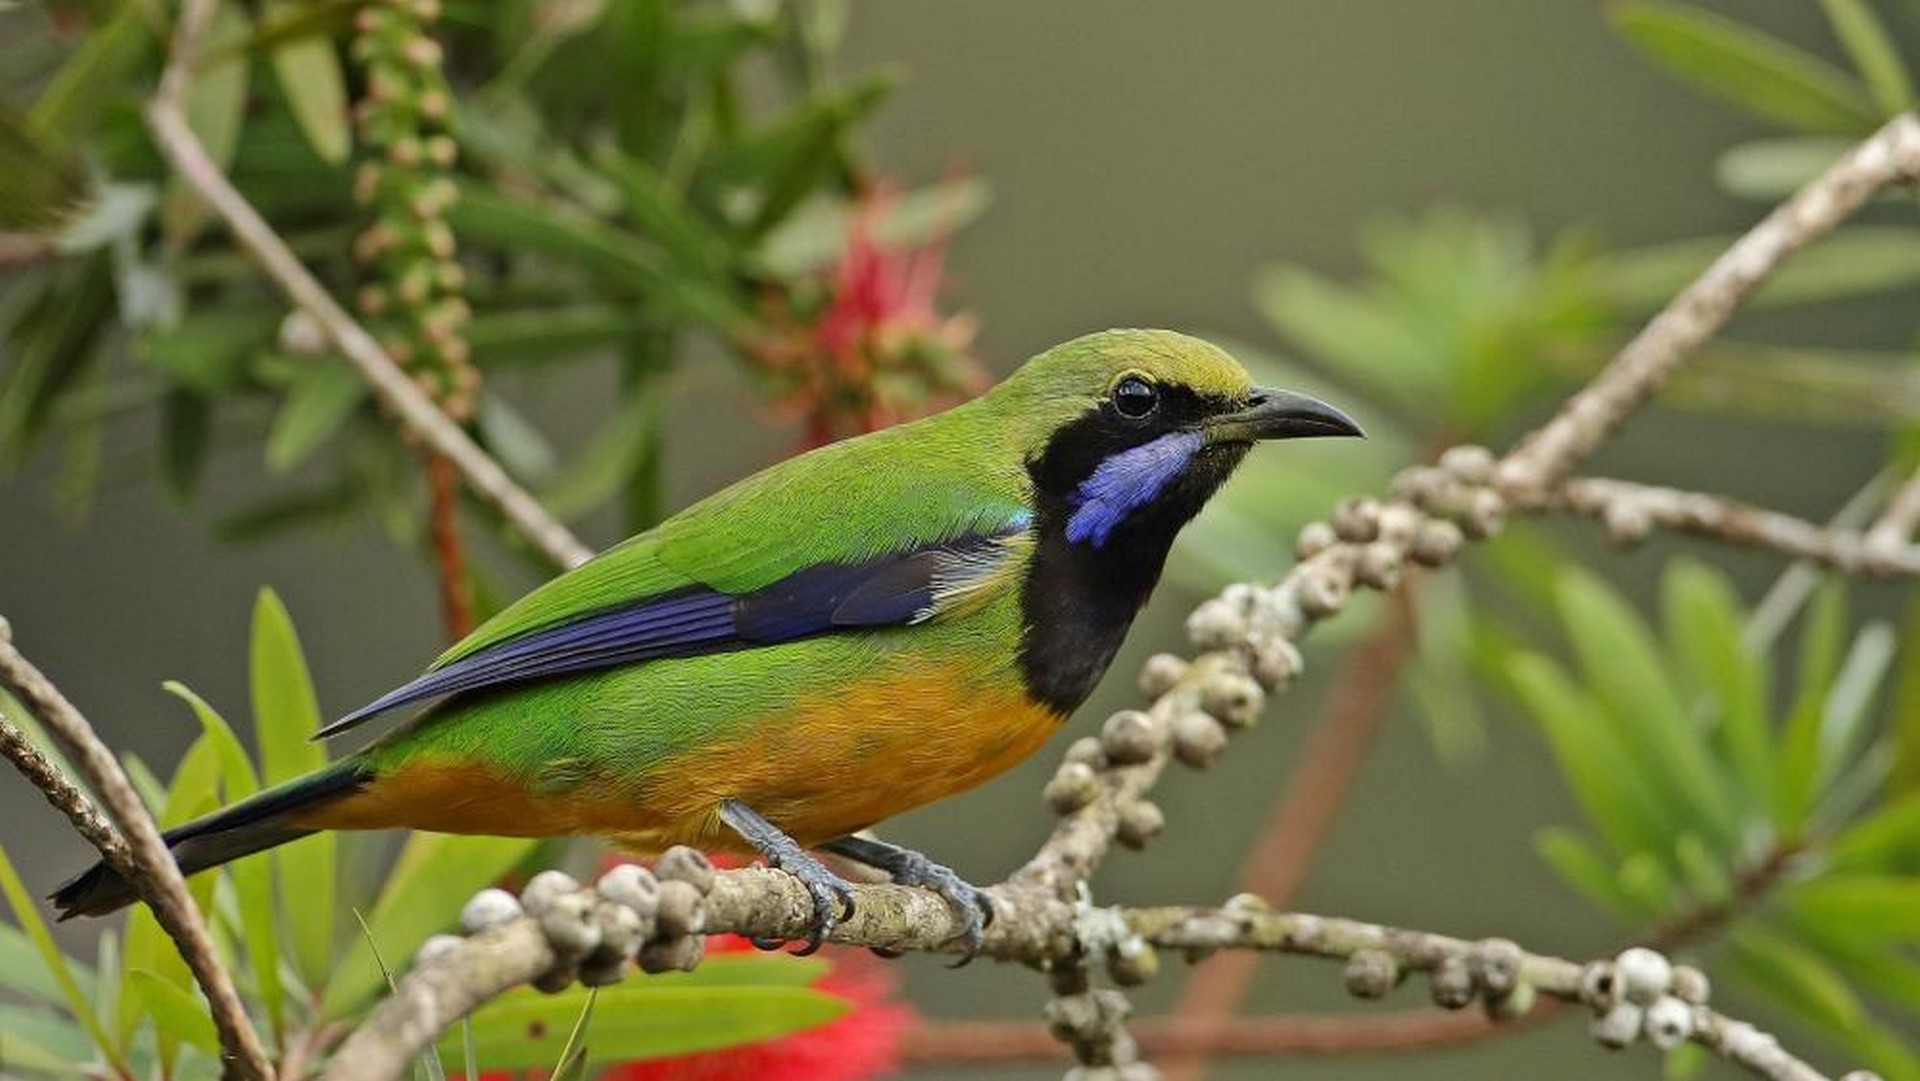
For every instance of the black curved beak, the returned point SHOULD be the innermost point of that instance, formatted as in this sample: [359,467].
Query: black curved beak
[1271,413]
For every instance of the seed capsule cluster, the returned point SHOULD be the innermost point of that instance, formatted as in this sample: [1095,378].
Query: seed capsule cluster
[414,295]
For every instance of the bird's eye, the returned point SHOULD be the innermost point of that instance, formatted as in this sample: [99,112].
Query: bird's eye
[1134,397]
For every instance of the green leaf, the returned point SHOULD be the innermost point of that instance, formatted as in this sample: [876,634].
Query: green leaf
[1904,709]
[1798,764]
[40,1044]
[252,878]
[1795,977]
[1843,723]
[488,215]
[1883,906]
[1611,791]
[66,973]
[321,398]
[216,106]
[1705,626]
[1685,1062]
[524,1029]
[1767,77]
[180,1013]
[91,78]
[1770,170]
[616,452]
[316,90]
[1873,52]
[1587,872]
[787,159]
[1885,839]
[534,336]
[434,876]
[1628,672]
[1856,261]
[23,970]
[815,234]
[285,717]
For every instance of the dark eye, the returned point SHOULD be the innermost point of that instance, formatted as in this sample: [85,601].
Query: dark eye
[1135,397]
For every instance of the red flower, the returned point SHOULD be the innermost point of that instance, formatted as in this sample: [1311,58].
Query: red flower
[875,350]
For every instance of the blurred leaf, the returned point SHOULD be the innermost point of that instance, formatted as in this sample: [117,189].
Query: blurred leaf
[1904,709]
[573,1055]
[1770,170]
[512,438]
[51,345]
[1797,767]
[324,395]
[1685,1062]
[623,442]
[1644,877]
[42,1045]
[65,973]
[117,212]
[186,435]
[542,335]
[1705,875]
[252,878]
[1888,838]
[785,160]
[216,106]
[433,878]
[1843,724]
[1858,260]
[41,185]
[193,791]
[660,214]
[1597,766]
[815,234]
[1741,66]
[1587,872]
[316,90]
[1873,53]
[1795,977]
[293,510]
[524,1029]
[487,215]
[1881,906]
[178,1012]
[1705,627]
[90,79]
[210,348]
[1793,385]
[285,717]
[1626,668]
[291,22]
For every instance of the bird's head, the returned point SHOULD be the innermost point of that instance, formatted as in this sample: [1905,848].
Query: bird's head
[1127,433]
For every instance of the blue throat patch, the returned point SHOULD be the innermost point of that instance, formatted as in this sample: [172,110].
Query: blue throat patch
[1127,481]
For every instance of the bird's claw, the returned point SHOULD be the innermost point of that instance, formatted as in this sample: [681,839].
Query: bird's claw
[970,904]
[830,897]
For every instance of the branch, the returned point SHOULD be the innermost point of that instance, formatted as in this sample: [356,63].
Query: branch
[142,856]
[1889,536]
[1631,510]
[1891,155]
[557,929]
[167,117]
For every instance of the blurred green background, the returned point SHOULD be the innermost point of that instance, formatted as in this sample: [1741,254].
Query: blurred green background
[1146,162]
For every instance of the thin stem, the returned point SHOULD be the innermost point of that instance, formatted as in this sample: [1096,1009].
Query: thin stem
[449,555]
[143,858]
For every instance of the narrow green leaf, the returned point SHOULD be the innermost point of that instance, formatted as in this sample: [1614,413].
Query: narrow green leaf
[58,965]
[216,107]
[1645,878]
[91,78]
[1795,977]
[1859,260]
[1797,763]
[315,88]
[1843,723]
[1741,66]
[573,1055]
[1705,624]
[1588,873]
[180,1013]
[252,878]
[321,398]
[541,335]
[1625,666]
[1886,839]
[434,876]
[285,717]
[41,1046]
[1885,906]
[193,791]
[23,970]
[1596,765]
[1904,709]
[1705,876]
[1873,52]
[1685,1062]
[524,1029]
[1769,170]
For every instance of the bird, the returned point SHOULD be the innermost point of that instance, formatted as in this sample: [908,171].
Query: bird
[842,637]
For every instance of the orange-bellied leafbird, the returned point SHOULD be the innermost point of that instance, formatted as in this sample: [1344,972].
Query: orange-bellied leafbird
[847,635]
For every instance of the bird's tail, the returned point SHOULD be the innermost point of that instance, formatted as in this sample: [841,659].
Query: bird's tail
[253,825]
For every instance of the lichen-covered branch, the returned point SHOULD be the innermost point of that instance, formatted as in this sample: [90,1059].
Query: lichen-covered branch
[1630,511]
[1891,155]
[411,406]
[142,857]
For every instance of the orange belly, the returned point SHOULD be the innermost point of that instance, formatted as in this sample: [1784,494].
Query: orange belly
[818,770]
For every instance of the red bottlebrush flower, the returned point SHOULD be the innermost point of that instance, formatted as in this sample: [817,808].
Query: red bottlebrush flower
[873,349]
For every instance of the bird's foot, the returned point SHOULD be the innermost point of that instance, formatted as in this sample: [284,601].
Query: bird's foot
[971,906]
[829,893]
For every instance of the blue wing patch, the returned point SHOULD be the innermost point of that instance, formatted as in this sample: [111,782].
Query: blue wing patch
[898,589]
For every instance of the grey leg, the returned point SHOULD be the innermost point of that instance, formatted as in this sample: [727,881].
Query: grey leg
[909,868]
[779,850]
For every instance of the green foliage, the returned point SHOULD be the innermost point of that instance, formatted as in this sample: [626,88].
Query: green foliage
[1735,808]
[137,1012]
